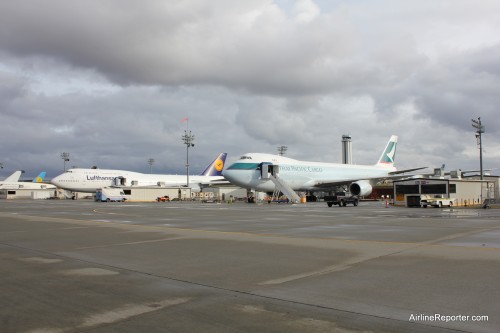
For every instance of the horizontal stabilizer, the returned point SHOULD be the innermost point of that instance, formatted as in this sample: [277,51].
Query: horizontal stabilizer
[398,172]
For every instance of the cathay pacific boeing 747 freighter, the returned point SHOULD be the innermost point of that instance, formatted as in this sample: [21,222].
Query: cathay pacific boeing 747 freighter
[261,172]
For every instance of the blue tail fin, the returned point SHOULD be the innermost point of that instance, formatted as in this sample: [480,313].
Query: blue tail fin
[40,177]
[215,168]
[389,154]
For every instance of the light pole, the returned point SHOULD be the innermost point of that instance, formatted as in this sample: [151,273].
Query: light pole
[282,150]
[479,130]
[188,139]
[151,161]
[65,157]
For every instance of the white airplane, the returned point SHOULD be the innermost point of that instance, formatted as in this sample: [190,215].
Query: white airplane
[12,182]
[90,180]
[259,172]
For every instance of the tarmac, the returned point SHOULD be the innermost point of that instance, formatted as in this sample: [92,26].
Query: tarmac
[84,266]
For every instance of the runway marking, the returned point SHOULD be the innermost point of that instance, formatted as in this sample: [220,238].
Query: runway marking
[130,310]
[330,269]
[39,260]
[249,234]
[116,315]
[462,234]
[127,243]
[304,324]
[326,270]
[90,272]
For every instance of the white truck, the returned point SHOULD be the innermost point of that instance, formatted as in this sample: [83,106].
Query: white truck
[436,201]
[110,194]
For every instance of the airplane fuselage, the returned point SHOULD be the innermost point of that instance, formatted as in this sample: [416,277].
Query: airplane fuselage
[25,186]
[89,180]
[299,175]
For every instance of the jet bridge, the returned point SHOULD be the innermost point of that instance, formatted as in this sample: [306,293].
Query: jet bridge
[271,171]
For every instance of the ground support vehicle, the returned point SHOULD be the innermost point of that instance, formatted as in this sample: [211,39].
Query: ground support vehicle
[437,201]
[108,194]
[341,199]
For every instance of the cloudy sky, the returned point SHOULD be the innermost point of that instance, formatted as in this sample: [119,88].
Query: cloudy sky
[109,81]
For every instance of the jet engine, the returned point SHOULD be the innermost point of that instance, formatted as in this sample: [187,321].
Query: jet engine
[195,187]
[360,188]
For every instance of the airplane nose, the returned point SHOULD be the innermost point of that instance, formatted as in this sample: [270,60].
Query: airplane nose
[229,175]
[56,181]
[226,174]
[236,177]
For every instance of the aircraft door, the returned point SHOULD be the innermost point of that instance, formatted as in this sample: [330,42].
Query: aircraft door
[264,170]
[119,181]
[267,169]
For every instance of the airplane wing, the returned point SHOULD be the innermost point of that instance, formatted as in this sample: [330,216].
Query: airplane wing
[398,172]
[215,182]
[394,175]
[330,184]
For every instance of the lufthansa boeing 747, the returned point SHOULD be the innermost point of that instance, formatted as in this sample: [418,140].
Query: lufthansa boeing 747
[89,180]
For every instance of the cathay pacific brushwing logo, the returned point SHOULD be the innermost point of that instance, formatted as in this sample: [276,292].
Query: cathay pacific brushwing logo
[390,153]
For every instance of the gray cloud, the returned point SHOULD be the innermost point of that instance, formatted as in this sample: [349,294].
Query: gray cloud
[109,81]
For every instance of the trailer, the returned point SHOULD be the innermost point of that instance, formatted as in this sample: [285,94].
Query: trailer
[107,194]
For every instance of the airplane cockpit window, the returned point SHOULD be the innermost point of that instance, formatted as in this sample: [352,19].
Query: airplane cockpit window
[245,158]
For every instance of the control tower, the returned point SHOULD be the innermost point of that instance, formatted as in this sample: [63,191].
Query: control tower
[346,149]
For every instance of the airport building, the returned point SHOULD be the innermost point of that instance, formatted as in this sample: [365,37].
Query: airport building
[27,194]
[208,194]
[139,193]
[460,192]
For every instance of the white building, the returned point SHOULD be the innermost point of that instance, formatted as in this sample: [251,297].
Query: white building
[467,192]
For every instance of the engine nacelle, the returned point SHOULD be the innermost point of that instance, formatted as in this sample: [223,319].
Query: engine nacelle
[195,187]
[360,188]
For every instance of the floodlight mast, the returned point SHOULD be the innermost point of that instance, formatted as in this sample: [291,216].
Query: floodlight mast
[282,150]
[479,130]
[151,161]
[188,139]
[65,157]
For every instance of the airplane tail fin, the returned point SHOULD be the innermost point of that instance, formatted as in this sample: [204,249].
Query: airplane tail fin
[40,177]
[14,177]
[388,156]
[215,168]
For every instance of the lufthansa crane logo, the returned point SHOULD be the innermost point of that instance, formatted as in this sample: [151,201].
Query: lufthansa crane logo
[219,165]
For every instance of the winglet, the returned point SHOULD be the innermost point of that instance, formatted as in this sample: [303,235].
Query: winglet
[388,156]
[215,168]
